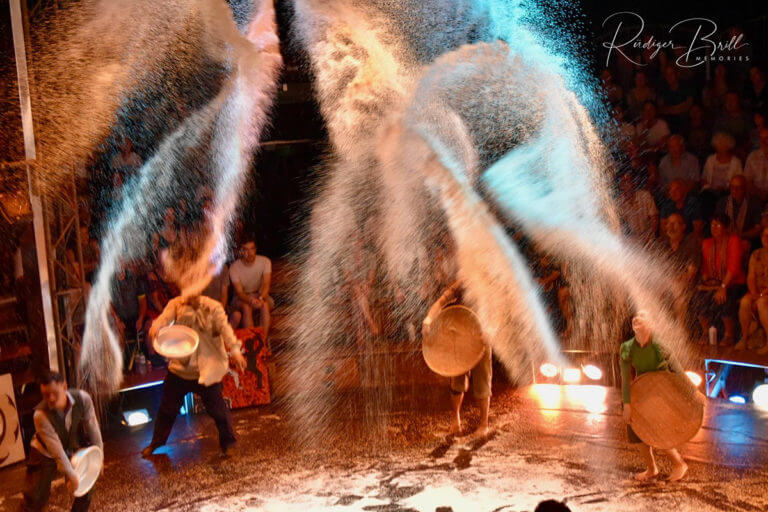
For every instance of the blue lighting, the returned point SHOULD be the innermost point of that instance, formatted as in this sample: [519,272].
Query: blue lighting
[737,399]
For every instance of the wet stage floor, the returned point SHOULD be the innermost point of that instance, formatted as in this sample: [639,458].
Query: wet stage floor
[557,442]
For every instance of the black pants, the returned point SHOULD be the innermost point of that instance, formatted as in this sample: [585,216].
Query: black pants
[40,473]
[174,389]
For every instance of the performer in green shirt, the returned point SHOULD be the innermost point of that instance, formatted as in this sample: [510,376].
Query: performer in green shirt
[645,355]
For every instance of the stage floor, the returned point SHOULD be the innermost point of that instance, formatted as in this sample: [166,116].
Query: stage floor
[549,442]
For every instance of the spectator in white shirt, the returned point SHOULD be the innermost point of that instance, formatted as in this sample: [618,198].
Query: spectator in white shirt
[651,132]
[250,277]
[637,211]
[722,165]
[756,168]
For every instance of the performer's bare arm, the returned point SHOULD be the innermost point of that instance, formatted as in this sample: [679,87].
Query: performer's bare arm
[448,296]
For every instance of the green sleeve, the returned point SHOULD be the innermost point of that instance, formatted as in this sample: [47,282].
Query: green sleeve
[626,374]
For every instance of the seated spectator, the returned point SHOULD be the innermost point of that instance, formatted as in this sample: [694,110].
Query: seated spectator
[675,98]
[743,212]
[637,211]
[626,129]
[734,121]
[639,94]
[756,299]
[679,164]
[651,183]
[652,133]
[678,201]
[722,279]
[760,122]
[684,252]
[613,91]
[756,93]
[697,134]
[716,90]
[756,168]
[129,304]
[250,276]
[721,166]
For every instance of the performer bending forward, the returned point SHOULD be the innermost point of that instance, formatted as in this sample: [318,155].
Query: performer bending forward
[200,373]
[480,376]
[645,355]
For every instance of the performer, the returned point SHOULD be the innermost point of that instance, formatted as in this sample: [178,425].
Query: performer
[59,419]
[200,373]
[480,376]
[645,355]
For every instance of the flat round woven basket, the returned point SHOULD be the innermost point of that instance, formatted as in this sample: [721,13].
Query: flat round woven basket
[455,342]
[667,410]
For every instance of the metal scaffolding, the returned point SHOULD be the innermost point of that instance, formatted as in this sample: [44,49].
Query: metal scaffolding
[56,223]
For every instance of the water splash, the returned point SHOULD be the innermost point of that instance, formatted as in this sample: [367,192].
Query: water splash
[228,125]
[442,135]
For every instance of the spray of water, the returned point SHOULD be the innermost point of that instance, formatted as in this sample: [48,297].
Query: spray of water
[442,135]
[228,125]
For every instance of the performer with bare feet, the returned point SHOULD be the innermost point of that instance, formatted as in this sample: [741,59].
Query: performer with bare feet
[643,355]
[479,376]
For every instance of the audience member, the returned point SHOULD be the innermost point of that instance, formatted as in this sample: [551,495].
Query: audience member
[684,252]
[756,168]
[675,98]
[743,212]
[129,304]
[613,91]
[639,94]
[756,92]
[679,164]
[651,132]
[716,90]
[250,277]
[679,201]
[722,279]
[637,211]
[756,298]
[721,166]
[698,134]
[218,287]
[734,121]
[759,123]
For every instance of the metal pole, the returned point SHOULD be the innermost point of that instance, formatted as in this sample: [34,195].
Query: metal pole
[17,26]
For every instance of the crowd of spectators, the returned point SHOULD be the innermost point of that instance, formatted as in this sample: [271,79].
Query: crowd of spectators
[692,182]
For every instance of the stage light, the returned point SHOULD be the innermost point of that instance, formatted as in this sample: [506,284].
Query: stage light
[760,396]
[737,399]
[572,375]
[137,417]
[592,371]
[695,378]
[548,370]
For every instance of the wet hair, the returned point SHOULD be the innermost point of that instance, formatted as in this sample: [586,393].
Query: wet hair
[47,377]
[552,506]
[722,219]
[249,239]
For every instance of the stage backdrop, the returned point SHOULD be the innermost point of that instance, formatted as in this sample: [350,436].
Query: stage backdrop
[11,446]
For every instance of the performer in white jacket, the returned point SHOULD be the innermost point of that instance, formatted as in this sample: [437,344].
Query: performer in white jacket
[203,371]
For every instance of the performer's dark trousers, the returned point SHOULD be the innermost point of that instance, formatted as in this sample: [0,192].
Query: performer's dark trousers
[40,473]
[174,389]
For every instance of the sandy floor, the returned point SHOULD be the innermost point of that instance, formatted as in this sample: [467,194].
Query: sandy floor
[549,442]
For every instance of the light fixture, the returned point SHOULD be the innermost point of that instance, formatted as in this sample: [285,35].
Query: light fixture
[136,417]
[592,372]
[760,396]
[737,399]
[572,375]
[548,370]
[695,378]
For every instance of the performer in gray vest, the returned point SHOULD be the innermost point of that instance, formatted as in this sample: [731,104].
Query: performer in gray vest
[59,420]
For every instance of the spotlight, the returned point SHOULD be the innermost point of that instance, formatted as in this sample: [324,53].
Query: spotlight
[548,370]
[572,375]
[737,399]
[592,371]
[760,396]
[137,417]
[695,378]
